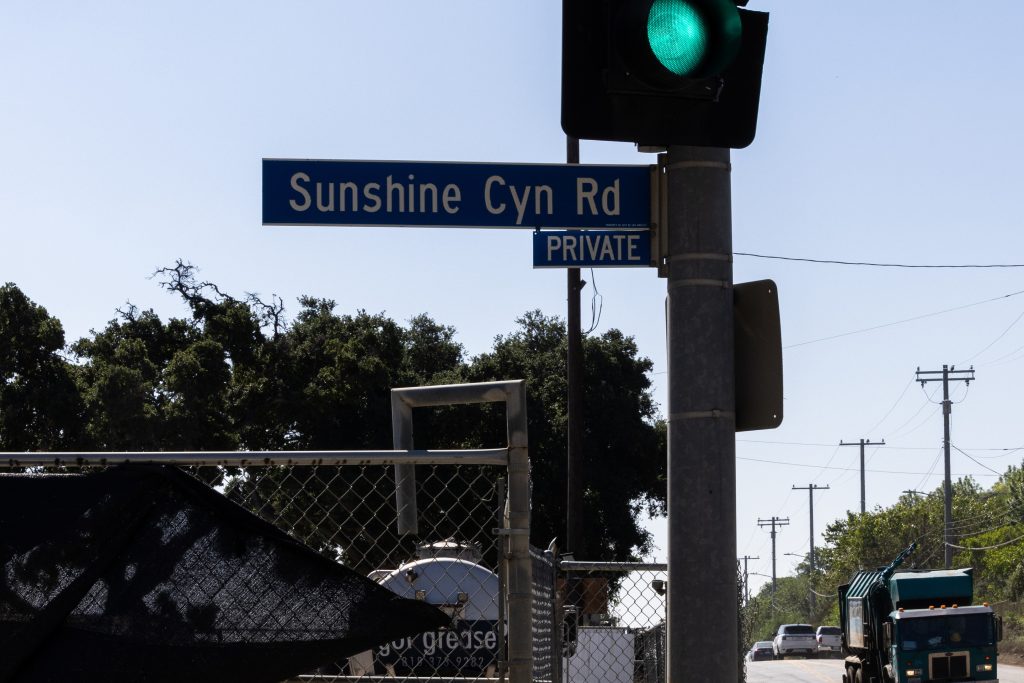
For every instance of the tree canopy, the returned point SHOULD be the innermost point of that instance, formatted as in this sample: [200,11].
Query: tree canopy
[988,527]
[238,374]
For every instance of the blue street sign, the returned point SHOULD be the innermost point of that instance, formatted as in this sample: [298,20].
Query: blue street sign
[591,248]
[411,193]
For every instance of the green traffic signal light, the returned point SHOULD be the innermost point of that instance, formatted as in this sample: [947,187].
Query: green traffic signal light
[677,34]
[662,72]
[668,40]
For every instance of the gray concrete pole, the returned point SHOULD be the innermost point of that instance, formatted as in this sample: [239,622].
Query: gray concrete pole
[701,641]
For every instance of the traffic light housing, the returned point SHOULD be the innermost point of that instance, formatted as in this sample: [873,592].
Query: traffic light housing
[662,72]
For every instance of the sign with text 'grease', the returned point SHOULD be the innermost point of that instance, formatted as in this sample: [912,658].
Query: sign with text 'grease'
[448,194]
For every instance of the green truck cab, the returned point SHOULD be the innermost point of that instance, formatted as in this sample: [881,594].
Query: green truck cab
[914,626]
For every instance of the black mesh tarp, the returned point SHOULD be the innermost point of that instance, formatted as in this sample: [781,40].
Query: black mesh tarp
[145,574]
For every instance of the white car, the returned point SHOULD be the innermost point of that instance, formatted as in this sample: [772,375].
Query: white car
[830,641]
[795,639]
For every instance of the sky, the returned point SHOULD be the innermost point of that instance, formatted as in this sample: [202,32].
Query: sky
[131,135]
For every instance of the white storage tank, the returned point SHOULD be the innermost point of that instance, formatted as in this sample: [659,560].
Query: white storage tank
[447,575]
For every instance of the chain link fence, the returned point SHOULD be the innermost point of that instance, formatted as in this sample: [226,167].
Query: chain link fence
[592,622]
[433,526]
[349,513]
[614,622]
[446,528]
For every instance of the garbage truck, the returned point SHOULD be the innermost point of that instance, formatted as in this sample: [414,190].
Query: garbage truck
[913,626]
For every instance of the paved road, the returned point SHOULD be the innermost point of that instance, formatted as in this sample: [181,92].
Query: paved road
[831,671]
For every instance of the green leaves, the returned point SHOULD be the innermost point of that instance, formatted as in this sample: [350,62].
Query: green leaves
[236,375]
[40,408]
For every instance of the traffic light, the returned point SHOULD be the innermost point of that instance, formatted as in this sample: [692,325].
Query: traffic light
[662,72]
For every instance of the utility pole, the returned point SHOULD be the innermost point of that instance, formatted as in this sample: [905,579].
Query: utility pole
[811,488]
[774,521]
[701,417]
[746,584]
[574,400]
[947,373]
[862,444]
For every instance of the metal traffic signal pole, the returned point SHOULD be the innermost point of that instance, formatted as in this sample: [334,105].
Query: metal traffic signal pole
[702,605]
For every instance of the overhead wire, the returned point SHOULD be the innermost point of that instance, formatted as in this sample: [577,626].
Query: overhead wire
[999,361]
[828,462]
[986,547]
[928,399]
[994,341]
[901,322]
[971,458]
[844,469]
[847,471]
[879,265]
[596,305]
[886,416]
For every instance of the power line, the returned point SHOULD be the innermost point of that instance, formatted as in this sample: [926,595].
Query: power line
[900,322]
[1004,450]
[879,265]
[979,464]
[886,416]
[993,342]
[985,547]
[850,469]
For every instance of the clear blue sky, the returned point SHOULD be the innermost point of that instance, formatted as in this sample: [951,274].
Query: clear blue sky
[132,135]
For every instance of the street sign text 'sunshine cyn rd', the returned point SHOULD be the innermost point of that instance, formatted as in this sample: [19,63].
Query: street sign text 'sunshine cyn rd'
[439,194]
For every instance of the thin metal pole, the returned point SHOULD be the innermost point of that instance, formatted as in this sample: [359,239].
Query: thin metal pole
[574,408]
[702,420]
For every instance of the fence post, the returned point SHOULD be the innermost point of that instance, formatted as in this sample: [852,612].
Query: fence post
[405,474]
[520,575]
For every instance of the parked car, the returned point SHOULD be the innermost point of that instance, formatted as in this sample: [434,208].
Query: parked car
[795,639]
[830,641]
[762,649]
